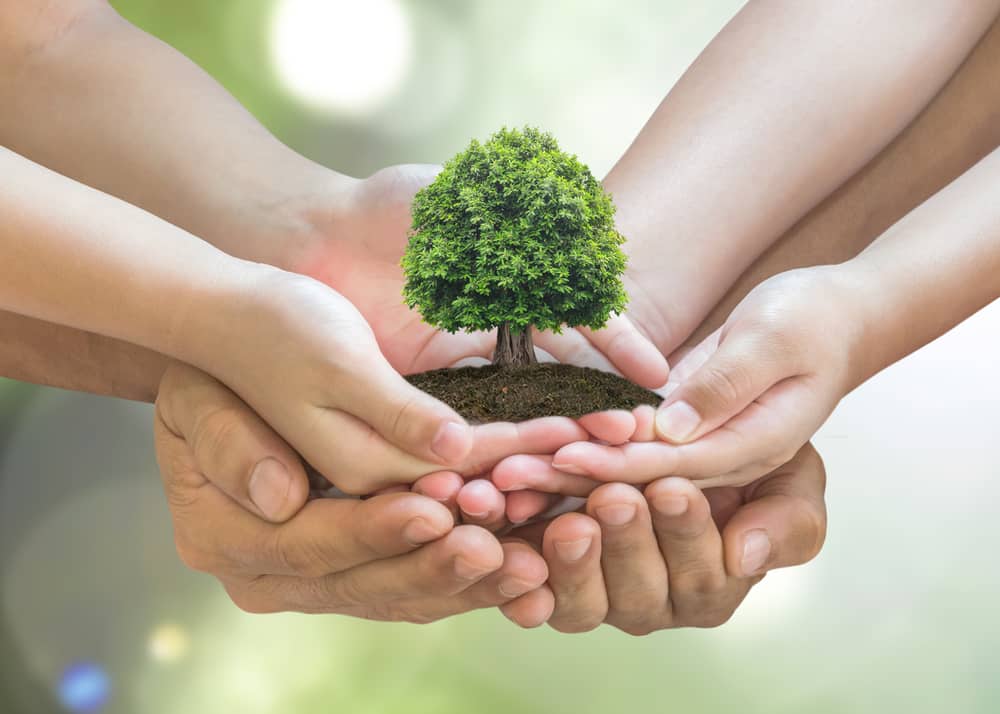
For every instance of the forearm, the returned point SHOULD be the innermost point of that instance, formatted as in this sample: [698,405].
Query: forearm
[57,356]
[76,257]
[959,127]
[927,273]
[90,96]
[732,159]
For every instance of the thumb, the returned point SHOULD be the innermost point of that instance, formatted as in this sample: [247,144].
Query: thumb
[233,448]
[737,373]
[405,416]
[784,521]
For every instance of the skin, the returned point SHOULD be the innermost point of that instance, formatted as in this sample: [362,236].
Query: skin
[754,394]
[356,557]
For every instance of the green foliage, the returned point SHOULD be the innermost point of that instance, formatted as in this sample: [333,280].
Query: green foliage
[514,230]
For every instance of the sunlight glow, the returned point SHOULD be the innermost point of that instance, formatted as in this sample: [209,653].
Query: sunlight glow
[346,56]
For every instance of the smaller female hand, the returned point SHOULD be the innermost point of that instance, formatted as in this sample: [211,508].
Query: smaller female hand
[750,397]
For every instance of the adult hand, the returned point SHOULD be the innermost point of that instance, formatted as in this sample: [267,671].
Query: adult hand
[675,556]
[358,253]
[237,494]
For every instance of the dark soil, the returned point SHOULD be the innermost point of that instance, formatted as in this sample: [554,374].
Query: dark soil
[491,393]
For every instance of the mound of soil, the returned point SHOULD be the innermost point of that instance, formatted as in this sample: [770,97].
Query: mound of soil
[491,393]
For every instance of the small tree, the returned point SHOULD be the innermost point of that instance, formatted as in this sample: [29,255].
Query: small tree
[514,233]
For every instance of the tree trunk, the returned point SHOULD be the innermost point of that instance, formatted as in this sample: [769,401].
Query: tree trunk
[514,349]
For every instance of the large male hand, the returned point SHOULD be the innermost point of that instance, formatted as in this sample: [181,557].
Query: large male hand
[237,493]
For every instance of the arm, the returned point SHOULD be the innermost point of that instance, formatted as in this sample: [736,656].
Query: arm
[756,391]
[72,73]
[86,260]
[960,127]
[776,113]
[58,356]
[94,98]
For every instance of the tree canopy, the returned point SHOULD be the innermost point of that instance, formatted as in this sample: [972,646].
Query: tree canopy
[512,233]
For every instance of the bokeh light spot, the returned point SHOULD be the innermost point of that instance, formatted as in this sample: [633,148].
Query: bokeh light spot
[168,644]
[84,687]
[341,55]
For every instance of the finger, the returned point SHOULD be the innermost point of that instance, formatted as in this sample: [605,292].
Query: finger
[572,549]
[406,417]
[496,441]
[784,520]
[738,372]
[766,434]
[572,347]
[687,360]
[532,609]
[724,502]
[615,426]
[519,473]
[701,594]
[522,506]
[231,446]
[523,571]
[443,487]
[327,536]
[644,416]
[638,359]
[634,572]
[443,568]
[481,504]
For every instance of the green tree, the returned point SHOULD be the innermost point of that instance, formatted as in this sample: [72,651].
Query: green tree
[514,233]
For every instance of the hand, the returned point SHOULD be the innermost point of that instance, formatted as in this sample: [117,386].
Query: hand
[746,400]
[358,254]
[675,556]
[236,493]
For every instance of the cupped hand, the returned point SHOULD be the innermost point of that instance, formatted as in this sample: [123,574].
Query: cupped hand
[748,398]
[361,260]
[237,494]
[674,556]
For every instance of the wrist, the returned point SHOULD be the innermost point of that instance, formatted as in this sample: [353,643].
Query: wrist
[286,221]
[210,324]
[865,326]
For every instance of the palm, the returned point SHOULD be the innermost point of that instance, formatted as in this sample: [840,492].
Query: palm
[361,261]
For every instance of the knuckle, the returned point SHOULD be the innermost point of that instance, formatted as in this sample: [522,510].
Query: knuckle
[725,385]
[575,624]
[253,604]
[217,431]
[346,591]
[640,628]
[711,618]
[305,557]
[192,556]
[700,583]
[816,526]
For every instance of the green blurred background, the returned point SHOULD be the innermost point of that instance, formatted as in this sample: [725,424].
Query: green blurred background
[895,615]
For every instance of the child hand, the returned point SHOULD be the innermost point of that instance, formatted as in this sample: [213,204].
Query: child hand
[750,397]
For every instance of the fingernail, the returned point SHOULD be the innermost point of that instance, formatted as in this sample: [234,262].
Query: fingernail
[616,515]
[269,486]
[756,549]
[671,505]
[512,587]
[418,531]
[677,422]
[571,469]
[451,443]
[467,570]
[572,550]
